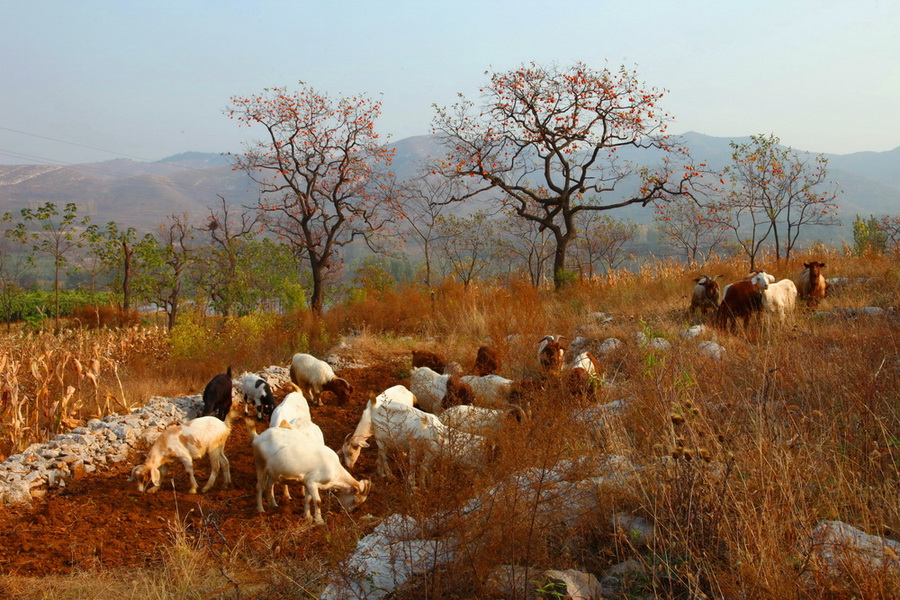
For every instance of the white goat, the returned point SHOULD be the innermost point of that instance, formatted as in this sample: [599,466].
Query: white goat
[186,443]
[293,409]
[283,455]
[313,376]
[780,298]
[479,420]
[356,441]
[422,435]
[490,390]
[435,391]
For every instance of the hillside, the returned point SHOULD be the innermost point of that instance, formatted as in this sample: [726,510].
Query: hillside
[143,193]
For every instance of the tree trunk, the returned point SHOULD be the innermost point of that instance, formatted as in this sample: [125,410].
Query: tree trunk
[56,292]
[126,276]
[316,301]
[559,262]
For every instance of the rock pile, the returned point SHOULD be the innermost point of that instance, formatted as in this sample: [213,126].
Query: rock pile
[109,440]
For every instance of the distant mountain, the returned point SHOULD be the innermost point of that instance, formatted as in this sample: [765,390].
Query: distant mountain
[141,194]
[144,193]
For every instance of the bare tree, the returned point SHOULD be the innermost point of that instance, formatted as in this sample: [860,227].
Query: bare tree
[689,227]
[601,244]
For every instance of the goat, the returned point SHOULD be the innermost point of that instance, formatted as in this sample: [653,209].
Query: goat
[313,376]
[479,420]
[354,442]
[487,361]
[186,443]
[490,390]
[706,295]
[426,358]
[436,392]
[293,408]
[257,390]
[217,396]
[283,454]
[586,361]
[743,299]
[780,298]
[551,354]
[812,285]
[421,435]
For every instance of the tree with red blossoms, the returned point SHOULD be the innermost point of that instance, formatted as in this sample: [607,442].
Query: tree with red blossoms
[322,173]
[550,140]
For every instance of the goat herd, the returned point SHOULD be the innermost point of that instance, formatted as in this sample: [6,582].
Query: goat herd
[756,294]
[441,413]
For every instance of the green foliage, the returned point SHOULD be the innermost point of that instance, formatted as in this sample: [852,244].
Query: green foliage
[868,236]
[372,274]
[566,277]
[35,306]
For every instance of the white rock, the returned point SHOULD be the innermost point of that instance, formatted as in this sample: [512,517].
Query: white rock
[837,543]
[692,332]
[609,345]
[712,350]
[659,344]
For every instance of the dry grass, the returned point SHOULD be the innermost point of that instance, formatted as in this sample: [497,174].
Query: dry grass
[738,460]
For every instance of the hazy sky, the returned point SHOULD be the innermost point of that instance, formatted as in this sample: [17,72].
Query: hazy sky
[150,79]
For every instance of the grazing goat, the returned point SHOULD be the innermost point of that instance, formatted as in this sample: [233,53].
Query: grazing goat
[217,396]
[436,392]
[551,354]
[283,454]
[294,408]
[490,390]
[812,286]
[400,427]
[487,361]
[743,299]
[780,298]
[355,442]
[313,376]
[257,390]
[586,361]
[479,420]
[706,294]
[426,358]
[186,443]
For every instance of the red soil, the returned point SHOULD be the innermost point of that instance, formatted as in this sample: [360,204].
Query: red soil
[101,520]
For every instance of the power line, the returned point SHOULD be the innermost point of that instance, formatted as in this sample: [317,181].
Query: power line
[44,137]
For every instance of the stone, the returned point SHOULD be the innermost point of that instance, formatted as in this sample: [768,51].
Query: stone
[712,350]
[692,332]
[659,343]
[609,345]
[838,545]
[638,530]
[578,585]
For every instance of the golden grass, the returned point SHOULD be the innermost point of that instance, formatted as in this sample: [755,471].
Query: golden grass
[738,459]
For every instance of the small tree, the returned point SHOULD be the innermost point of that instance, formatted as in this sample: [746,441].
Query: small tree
[58,235]
[774,191]
[690,227]
[552,141]
[529,244]
[425,199]
[868,236]
[467,245]
[164,259]
[320,171]
[602,243]
[225,279]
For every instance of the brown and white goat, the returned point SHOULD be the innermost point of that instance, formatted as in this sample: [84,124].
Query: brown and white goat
[185,444]
[313,376]
[706,295]
[427,358]
[551,354]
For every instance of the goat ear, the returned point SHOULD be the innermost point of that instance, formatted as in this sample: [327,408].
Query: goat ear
[821,265]
[805,265]
[154,476]
[363,444]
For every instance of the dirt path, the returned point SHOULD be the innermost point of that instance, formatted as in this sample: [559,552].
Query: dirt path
[101,520]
